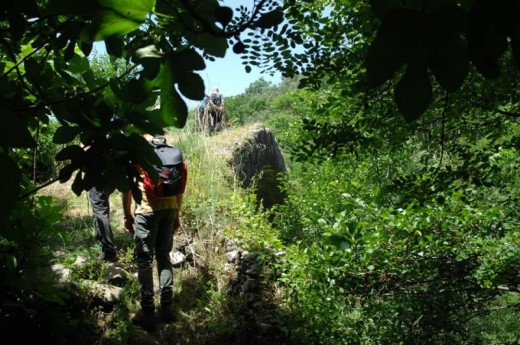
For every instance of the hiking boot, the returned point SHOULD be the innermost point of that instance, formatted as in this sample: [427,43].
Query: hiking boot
[144,319]
[167,315]
[108,257]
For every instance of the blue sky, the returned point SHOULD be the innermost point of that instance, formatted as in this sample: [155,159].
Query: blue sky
[229,75]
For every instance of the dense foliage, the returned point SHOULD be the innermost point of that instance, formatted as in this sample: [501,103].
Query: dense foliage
[419,46]
[398,229]
[262,102]
[407,234]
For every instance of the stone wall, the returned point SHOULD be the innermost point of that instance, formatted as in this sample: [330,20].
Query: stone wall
[259,151]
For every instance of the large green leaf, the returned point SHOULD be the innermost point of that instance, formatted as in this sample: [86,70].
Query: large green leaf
[69,152]
[382,7]
[136,10]
[206,9]
[189,60]
[150,58]
[386,54]
[90,79]
[77,185]
[67,7]
[174,111]
[113,175]
[65,134]
[34,70]
[239,48]
[10,177]
[86,47]
[17,24]
[14,131]
[114,46]
[192,86]
[78,64]
[66,173]
[413,93]
[144,120]
[117,18]
[224,15]
[137,91]
[145,53]
[450,63]
[213,45]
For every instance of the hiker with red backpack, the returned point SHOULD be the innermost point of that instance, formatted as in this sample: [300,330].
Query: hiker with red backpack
[152,224]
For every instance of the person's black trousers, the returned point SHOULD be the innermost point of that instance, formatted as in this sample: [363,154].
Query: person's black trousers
[100,201]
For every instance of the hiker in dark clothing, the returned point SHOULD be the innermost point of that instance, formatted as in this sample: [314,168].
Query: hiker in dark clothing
[100,202]
[152,223]
[216,110]
[202,114]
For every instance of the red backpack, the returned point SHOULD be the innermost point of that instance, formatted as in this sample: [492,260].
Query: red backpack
[172,173]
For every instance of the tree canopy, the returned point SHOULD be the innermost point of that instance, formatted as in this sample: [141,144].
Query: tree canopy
[419,49]
[46,76]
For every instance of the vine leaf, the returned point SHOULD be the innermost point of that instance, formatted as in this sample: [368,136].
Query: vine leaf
[413,93]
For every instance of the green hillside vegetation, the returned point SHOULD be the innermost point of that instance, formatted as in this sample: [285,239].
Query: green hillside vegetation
[392,235]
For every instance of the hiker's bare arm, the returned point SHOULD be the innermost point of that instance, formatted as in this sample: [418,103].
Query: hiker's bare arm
[127,210]
[127,204]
